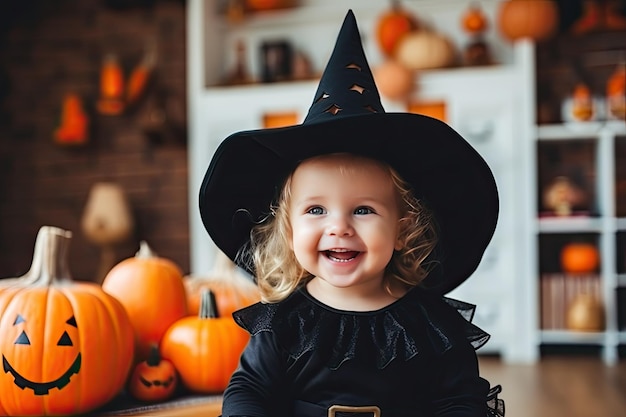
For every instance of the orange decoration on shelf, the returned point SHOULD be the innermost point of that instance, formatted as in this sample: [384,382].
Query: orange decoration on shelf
[582,103]
[474,20]
[111,100]
[74,126]
[580,258]
[140,77]
[392,26]
[616,93]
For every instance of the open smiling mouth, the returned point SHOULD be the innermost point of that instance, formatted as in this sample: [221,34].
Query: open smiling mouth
[341,255]
[42,388]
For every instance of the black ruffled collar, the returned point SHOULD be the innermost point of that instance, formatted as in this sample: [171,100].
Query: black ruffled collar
[418,322]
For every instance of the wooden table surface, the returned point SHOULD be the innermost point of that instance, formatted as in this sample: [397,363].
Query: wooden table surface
[205,406]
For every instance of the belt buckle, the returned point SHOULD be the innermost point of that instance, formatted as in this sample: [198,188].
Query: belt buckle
[333,409]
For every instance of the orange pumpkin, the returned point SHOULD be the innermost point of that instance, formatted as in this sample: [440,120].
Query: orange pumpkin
[154,379]
[394,80]
[232,290]
[152,291]
[534,19]
[205,349]
[67,346]
[392,25]
[579,258]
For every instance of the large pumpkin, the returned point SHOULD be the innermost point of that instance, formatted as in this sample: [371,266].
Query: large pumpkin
[231,288]
[533,19]
[67,347]
[205,349]
[151,289]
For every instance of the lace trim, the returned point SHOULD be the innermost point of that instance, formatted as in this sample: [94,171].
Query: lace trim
[302,324]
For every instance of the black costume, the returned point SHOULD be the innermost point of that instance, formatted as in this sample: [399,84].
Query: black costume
[414,358]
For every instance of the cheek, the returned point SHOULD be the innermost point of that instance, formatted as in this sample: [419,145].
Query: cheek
[304,240]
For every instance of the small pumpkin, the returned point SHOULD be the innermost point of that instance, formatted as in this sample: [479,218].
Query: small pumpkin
[392,25]
[151,289]
[154,379]
[580,258]
[205,349]
[474,21]
[232,289]
[67,346]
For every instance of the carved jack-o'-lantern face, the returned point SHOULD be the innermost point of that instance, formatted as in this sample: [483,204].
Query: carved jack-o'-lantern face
[65,362]
[154,379]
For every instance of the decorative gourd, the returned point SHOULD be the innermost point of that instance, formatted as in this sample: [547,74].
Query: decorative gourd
[67,346]
[232,289]
[205,349]
[585,314]
[152,291]
[425,49]
[394,80]
[154,379]
[533,19]
[579,258]
[392,25]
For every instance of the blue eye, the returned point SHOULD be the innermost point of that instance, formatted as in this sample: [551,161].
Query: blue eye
[316,210]
[363,210]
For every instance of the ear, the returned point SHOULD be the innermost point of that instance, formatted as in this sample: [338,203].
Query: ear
[399,242]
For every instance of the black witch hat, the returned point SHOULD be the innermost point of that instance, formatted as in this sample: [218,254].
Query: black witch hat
[446,173]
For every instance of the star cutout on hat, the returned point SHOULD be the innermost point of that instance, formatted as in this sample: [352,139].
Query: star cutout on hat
[334,109]
[357,88]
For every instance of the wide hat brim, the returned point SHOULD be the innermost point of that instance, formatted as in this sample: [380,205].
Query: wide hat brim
[446,173]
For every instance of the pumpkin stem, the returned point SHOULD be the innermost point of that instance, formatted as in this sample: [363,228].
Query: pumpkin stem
[154,357]
[145,251]
[208,305]
[50,258]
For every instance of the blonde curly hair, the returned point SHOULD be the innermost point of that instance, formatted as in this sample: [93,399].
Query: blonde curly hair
[278,272]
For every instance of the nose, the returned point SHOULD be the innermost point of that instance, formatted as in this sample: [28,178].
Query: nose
[339,225]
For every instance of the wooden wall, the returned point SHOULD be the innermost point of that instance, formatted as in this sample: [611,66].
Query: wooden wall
[50,48]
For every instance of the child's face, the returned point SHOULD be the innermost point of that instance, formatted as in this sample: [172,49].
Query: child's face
[345,219]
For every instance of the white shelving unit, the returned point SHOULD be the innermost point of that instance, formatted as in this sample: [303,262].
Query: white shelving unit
[493,107]
[605,225]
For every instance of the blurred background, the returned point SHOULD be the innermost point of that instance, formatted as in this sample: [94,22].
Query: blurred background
[110,111]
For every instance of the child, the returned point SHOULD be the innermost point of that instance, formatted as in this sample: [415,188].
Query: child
[355,224]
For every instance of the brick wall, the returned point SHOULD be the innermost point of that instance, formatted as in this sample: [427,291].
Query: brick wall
[50,48]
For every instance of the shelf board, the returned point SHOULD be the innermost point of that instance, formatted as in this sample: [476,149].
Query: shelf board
[581,130]
[569,224]
[572,337]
